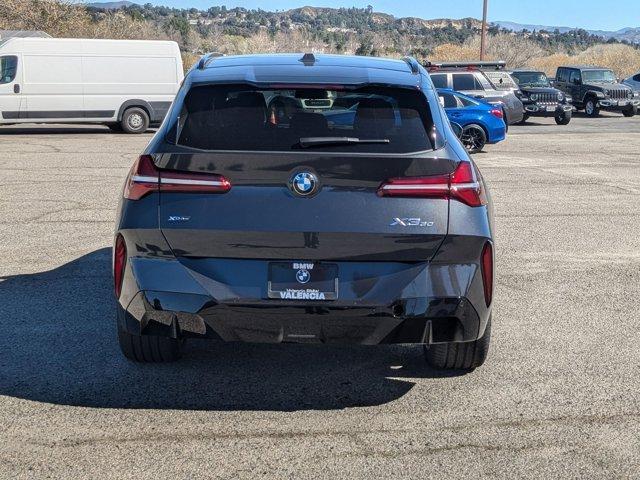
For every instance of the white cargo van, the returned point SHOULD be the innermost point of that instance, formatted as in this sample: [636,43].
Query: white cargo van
[125,84]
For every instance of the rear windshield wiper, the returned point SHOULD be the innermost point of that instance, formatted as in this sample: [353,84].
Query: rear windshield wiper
[306,142]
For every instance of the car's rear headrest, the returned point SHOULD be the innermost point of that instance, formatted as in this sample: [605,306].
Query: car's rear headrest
[248,108]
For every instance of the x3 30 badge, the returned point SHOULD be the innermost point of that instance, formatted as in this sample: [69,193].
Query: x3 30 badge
[410,222]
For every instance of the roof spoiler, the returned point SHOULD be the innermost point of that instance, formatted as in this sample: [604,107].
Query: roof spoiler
[480,65]
[207,59]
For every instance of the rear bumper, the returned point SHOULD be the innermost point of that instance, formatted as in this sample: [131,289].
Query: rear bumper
[515,115]
[496,134]
[429,321]
[379,303]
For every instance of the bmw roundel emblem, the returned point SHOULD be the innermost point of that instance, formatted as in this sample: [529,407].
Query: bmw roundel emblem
[304,183]
[303,276]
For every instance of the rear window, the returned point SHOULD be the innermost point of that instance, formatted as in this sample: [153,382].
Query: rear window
[467,102]
[501,80]
[238,117]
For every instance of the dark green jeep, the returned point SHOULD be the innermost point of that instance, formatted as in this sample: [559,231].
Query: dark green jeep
[594,88]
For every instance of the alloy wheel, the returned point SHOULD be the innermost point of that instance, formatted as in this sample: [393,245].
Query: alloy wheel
[473,139]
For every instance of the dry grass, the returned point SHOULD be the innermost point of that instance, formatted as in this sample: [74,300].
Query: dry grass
[516,51]
[549,63]
[622,59]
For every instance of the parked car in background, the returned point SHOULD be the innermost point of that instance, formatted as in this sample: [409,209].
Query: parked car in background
[481,122]
[125,84]
[540,99]
[596,88]
[633,82]
[468,78]
[243,223]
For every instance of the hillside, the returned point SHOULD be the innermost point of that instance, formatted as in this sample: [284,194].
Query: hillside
[311,16]
[360,31]
[355,30]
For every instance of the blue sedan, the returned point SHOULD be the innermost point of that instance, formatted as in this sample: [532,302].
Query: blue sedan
[481,122]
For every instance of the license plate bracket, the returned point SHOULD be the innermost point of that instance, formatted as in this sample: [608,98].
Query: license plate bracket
[303,281]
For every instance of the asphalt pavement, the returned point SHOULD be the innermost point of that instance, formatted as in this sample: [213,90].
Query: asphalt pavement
[559,396]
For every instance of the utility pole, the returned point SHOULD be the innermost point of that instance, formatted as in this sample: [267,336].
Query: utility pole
[483,35]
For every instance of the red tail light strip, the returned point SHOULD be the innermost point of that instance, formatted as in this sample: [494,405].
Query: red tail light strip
[145,178]
[408,188]
[188,181]
[462,185]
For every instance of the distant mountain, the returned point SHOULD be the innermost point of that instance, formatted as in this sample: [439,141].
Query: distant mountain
[518,27]
[630,34]
[111,5]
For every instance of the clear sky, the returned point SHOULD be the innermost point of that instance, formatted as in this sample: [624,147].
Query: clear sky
[589,14]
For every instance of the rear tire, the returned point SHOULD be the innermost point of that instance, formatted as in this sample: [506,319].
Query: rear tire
[563,118]
[591,108]
[134,120]
[629,111]
[149,348]
[459,356]
[525,117]
[473,138]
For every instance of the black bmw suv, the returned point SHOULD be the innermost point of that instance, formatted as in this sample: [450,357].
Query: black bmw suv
[595,88]
[540,99]
[310,199]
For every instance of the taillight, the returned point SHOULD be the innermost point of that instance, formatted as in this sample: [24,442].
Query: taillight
[145,178]
[497,112]
[487,272]
[461,185]
[193,182]
[436,186]
[119,264]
